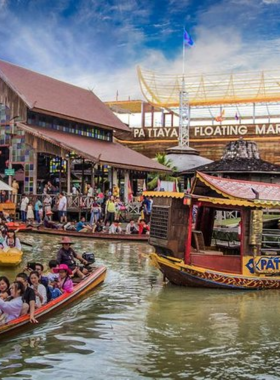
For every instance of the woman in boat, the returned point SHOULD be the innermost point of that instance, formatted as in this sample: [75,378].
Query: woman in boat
[39,289]
[143,228]
[11,241]
[4,288]
[12,309]
[65,284]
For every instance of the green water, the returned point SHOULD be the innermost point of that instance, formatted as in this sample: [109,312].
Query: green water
[134,327]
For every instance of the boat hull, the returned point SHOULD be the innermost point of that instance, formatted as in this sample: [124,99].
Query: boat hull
[11,258]
[181,274]
[95,235]
[90,282]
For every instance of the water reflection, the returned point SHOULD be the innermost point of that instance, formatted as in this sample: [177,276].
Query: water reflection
[134,327]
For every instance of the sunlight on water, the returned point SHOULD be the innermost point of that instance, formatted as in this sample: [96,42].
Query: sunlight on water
[134,327]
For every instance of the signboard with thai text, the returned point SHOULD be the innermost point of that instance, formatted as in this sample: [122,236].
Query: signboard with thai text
[10,172]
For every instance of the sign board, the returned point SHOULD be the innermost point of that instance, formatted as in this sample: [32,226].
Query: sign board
[261,265]
[10,172]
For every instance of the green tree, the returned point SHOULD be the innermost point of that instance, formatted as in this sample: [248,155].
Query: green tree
[162,159]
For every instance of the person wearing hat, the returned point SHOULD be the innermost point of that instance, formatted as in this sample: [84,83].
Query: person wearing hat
[66,255]
[65,284]
[48,223]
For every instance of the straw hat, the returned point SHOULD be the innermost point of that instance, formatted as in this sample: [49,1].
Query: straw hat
[62,267]
[66,240]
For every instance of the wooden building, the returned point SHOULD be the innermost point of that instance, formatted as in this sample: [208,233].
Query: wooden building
[42,116]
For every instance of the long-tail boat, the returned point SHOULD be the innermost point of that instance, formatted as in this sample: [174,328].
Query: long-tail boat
[89,235]
[10,258]
[96,277]
[189,253]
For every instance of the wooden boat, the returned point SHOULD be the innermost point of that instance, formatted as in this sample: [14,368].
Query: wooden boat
[188,252]
[10,258]
[89,283]
[95,235]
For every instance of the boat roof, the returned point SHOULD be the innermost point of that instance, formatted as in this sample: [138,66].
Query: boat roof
[228,192]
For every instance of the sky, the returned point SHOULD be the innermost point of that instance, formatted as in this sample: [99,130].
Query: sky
[98,44]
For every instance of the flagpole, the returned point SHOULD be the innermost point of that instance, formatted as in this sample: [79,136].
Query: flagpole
[184,45]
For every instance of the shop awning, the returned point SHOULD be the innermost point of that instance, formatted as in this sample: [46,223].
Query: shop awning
[97,151]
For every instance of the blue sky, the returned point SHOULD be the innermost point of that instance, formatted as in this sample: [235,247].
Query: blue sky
[98,44]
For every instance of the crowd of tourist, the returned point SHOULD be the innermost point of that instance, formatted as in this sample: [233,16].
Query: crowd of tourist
[32,289]
[106,212]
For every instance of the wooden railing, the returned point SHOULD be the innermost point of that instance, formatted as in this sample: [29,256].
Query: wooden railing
[78,203]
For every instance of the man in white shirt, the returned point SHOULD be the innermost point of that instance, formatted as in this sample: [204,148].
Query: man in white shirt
[62,208]
[89,191]
[23,207]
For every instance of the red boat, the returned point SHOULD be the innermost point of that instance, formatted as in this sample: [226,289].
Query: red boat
[89,283]
[16,226]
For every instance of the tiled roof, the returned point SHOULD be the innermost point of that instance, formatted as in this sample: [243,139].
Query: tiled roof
[45,94]
[237,189]
[103,152]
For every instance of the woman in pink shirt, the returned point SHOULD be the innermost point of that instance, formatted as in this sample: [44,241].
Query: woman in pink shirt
[65,284]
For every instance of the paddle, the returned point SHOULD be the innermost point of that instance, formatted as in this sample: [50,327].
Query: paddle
[27,244]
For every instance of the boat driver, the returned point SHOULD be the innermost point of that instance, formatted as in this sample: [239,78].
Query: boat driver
[67,255]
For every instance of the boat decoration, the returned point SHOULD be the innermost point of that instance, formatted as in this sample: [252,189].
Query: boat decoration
[10,258]
[96,277]
[191,248]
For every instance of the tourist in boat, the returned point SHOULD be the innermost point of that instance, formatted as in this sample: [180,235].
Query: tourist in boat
[47,221]
[115,228]
[53,279]
[67,255]
[39,289]
[62,208]
[70,226]
[95,212]
[82,226]
[28,298]
[39,268]
[23,207]
[143,227]
[98,226]
[131,228]
[12,309]
[65,284]
[110,210]
[4,288]
[11,241]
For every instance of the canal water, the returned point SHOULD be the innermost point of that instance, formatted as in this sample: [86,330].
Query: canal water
[135,327]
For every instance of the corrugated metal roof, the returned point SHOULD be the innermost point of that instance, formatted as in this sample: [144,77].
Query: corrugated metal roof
[42,93]
[103,152]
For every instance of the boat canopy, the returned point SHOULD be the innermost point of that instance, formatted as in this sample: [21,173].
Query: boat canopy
[228,192]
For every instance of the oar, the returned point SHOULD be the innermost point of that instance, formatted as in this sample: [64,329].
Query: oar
[27,244]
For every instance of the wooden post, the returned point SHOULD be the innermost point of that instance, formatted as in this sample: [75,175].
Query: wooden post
[68,175]
[92,178]
[83,176]
[126,180]
[35,166]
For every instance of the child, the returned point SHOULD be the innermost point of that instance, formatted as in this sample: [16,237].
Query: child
[30,213]
[65,284]
[53,280]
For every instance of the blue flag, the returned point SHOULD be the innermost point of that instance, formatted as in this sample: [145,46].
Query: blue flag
[187,39]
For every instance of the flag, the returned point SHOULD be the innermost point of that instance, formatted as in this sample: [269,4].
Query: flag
[220,117]
[188,186]
[130,194]
[188,41]
[144,185]
[158,184]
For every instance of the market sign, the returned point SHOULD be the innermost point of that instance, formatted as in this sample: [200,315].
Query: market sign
[9,172]
[172,133]
[264,265]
